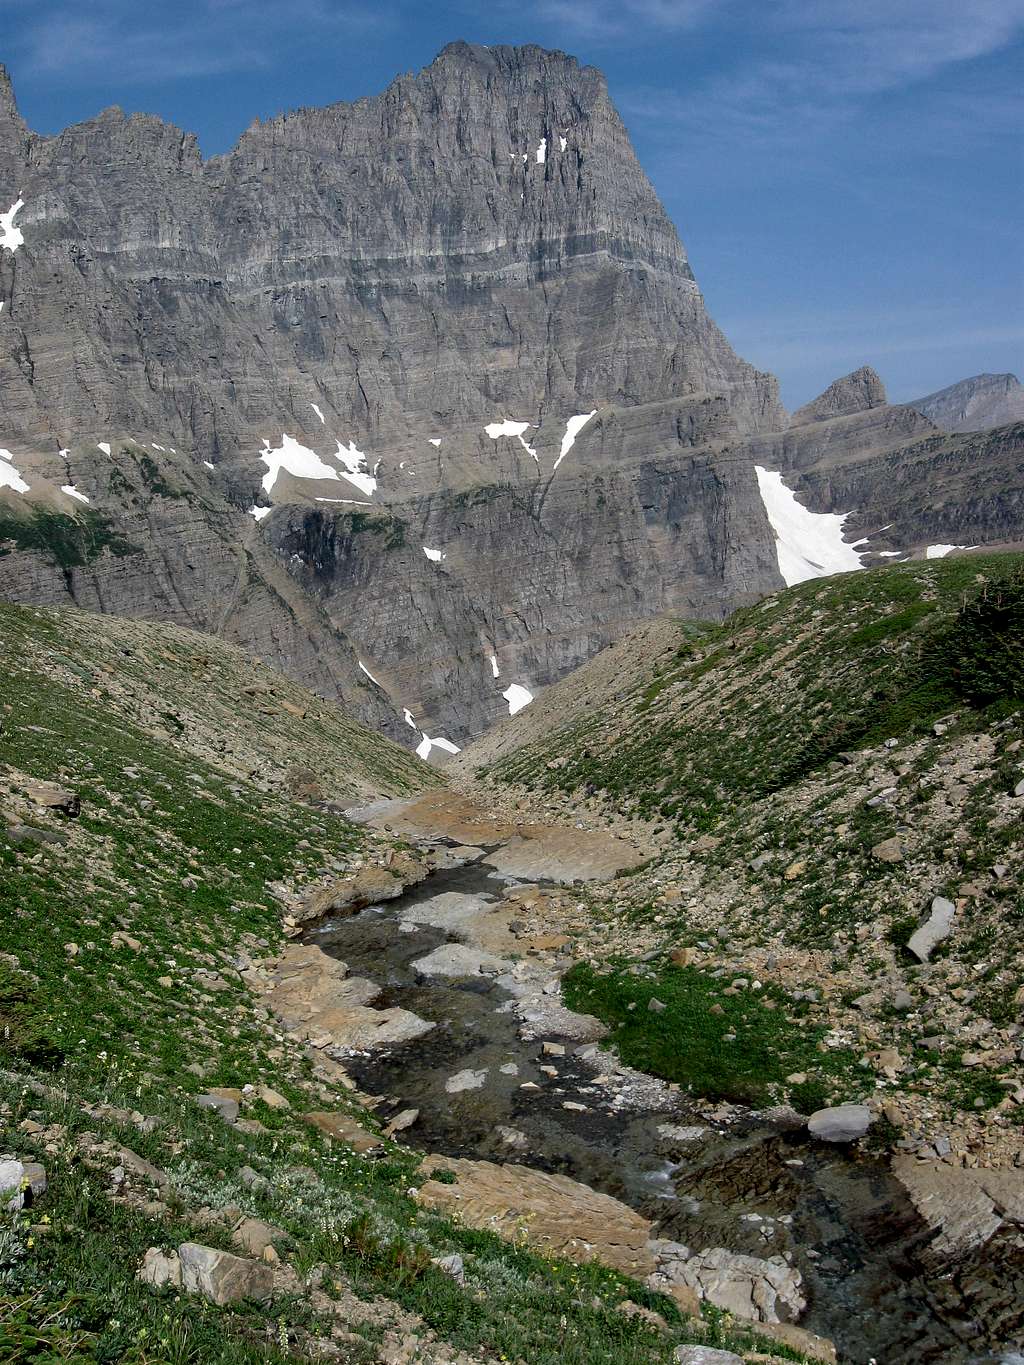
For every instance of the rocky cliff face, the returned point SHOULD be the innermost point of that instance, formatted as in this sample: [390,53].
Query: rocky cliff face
[457,310]
[410,383]
[905,488]
[986,400]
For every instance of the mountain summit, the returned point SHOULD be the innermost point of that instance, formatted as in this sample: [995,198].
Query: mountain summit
[415,397]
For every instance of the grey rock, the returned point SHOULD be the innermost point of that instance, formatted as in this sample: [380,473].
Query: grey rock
[938,926]
[841,1123]
[747,1286]
[465,1080]
[221,1277]
[705,1355]
[21,1183]
[220,1104]
[452,1265]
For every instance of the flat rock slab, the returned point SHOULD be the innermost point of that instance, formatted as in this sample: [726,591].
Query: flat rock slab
[558,1215]
[528,852]
[438,814]
[456,959]
[313,997]
[557,854]
[344,1128]
[452,911]
[965,1207]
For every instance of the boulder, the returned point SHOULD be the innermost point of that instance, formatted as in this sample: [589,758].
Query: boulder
[21,1183]
[253,1236]
[889,850]
[746,1286]
[841,1123]
[221,1277]
[938,926]
[553,1213]
[51,797]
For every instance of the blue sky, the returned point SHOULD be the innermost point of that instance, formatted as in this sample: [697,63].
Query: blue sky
[847,175]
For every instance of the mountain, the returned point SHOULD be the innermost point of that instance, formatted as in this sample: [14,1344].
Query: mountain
[854,480]
[986,400]
[415,398]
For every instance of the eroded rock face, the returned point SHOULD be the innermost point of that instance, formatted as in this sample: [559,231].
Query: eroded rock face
[965,1208]
[475,247]
[551,1212]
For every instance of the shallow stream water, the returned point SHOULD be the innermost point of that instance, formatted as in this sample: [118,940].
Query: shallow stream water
[755,1184]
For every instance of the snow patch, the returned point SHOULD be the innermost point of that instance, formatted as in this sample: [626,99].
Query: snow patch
[72,492]
[260,512]
[494,666]
[941,551]
[295,459]
[426,744]
[890,554]
[10,236]
[562,144]
[408,718]
[105,447]
[370,675]
[542,151]
[517,697]
[572,429]
[209,464]
[350,502]
[495,430]
[435,441]
[435,556]
[807,544]
[9,476]
[64,452]
[355,468]
[323,419]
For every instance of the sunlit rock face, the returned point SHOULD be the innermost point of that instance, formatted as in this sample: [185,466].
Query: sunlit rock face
[422,381]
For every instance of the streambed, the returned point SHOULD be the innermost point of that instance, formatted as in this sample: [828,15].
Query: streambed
[487,1088]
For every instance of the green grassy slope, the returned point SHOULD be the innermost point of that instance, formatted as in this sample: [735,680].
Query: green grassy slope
[818,768]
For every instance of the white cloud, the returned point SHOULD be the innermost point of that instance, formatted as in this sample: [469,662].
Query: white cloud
[193,39]
[805,67]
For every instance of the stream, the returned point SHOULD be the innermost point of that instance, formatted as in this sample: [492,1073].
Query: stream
[750,1182]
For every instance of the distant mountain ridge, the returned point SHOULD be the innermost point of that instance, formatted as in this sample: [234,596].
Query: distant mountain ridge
[984,400]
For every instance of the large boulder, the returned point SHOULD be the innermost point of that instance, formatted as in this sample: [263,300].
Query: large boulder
[221,1277]
[551,1212]
[841,1123]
